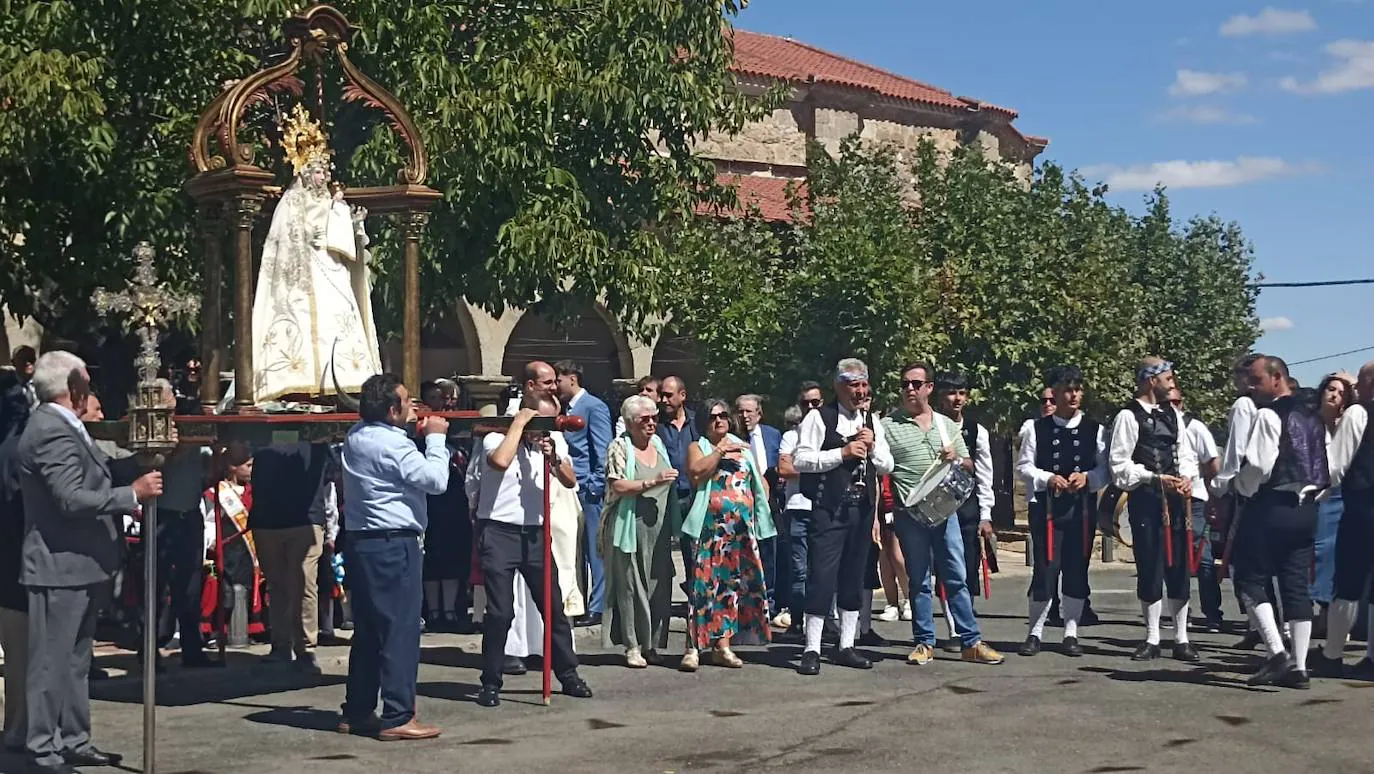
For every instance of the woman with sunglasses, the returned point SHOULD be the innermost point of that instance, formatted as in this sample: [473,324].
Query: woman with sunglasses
[729,516]
[638,543]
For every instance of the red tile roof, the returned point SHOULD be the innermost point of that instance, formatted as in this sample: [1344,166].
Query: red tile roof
[769,194]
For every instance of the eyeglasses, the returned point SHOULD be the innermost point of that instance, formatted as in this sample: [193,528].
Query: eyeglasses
[719,417]
[1046,401]
[813,403]
[914,384]
[647,419]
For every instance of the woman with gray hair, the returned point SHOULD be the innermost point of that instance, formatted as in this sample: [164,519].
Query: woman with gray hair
[643,510]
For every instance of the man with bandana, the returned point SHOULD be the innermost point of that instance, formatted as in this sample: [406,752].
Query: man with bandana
[841,451]
[1150,459]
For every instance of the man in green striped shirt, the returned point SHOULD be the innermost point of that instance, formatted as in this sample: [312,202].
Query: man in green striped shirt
[920,438]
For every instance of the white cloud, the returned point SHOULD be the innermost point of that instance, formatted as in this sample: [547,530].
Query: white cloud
[1196,174]
[1271,324]
[1270,21]
[1193,83]
[1205,114]
[1354,70]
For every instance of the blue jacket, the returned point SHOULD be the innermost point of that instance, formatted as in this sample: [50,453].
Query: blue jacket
[588,446]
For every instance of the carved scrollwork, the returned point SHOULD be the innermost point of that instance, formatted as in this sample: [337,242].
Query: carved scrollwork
[413,225]
[243,211]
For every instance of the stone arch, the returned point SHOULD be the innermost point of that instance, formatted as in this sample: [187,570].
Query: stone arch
[589,337]
[449,345]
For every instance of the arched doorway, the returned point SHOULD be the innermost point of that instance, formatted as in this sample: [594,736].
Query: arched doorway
[675,354]
[444,352]
[585,338]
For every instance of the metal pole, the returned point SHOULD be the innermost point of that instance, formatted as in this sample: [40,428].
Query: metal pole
[150,636]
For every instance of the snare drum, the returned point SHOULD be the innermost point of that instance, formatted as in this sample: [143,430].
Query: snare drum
[942,490]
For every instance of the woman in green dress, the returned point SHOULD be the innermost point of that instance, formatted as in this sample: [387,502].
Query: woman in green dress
[637,538]
[729,516]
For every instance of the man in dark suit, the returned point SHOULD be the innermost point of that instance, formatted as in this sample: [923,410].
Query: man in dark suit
[17,398]
[14,601]
[764,441]
[587,447]
[72,545]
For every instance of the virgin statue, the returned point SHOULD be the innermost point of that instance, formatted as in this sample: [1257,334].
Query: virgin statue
[312,317]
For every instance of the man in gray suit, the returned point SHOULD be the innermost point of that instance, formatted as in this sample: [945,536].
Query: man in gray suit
[72,544]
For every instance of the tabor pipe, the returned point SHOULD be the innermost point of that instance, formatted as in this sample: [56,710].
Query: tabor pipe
[149,541]
[548,587]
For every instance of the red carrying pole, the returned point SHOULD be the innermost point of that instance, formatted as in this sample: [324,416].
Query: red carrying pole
[1167,527]
[221,620]
[987,574]
[549,601]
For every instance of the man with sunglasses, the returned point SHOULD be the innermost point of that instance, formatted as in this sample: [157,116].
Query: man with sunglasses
[840,453]
[1063,462]
[922,439]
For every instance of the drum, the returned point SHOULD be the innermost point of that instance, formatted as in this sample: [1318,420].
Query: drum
[942,490]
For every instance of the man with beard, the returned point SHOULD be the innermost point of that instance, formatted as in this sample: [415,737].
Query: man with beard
[840,453]
[1063,462]
[1150,459]
[975,515]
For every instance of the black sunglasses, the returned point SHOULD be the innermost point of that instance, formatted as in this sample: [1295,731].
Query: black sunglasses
[1046,401]
[716,417]
[915,384]
[813,403]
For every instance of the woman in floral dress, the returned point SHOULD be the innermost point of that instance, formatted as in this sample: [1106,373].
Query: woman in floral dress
[729,516]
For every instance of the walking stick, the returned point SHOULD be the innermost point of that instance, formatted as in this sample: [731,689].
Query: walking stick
[548,588]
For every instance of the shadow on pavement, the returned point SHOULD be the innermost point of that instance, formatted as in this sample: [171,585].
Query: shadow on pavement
[1206,675]
[304,718]
[244,676]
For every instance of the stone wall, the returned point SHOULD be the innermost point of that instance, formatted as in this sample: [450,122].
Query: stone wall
[774,141]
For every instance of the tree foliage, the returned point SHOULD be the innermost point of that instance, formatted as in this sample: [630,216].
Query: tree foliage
[557,130]
[975,269]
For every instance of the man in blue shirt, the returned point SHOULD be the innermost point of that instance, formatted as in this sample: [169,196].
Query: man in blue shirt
[587,448]
[677,428]
[386,482]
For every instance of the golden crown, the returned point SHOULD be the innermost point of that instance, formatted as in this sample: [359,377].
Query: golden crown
[303,140]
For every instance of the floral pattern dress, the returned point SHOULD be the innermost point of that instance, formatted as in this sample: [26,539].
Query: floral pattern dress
[727,591]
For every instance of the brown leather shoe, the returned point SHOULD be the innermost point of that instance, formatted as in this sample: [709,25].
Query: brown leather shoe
[410,731]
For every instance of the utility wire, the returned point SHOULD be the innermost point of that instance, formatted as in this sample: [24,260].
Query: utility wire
[1328,357]
[1325,284]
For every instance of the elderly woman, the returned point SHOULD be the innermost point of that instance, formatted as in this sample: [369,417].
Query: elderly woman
[729,516]
[1336,394]
[643,511]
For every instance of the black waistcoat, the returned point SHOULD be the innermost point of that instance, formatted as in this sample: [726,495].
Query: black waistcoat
[969,512]
[1302,449]
[1063,451]
[1157,439]
[827,490]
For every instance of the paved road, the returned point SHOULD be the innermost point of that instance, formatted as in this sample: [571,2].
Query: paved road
[1100,713]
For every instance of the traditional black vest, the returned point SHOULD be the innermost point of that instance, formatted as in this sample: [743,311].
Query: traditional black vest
[1302,449]
[827,490]
[1064,451]
[1360,478]
[1157,439]
[968,512]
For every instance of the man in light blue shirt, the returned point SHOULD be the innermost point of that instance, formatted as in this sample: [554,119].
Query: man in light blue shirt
[386,480]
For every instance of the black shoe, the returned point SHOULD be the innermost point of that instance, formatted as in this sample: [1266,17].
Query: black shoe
[1030,647]
[1213,625]
[308,665]
[577,688]
[1294,678]
[850,658]
[466,626]
[810,663]
[1321,666]
[1250,641]
[1363,670]
[1272,670]
[92,757]
[872,639]
[490,696]
[513,666]
[1070,647]
[590,619]
[1148,651]
[1184,651]
[1088,617]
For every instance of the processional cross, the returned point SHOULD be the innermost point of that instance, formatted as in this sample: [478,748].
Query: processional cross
[149,306]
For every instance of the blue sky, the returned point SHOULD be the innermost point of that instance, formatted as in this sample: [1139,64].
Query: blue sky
[1262,114]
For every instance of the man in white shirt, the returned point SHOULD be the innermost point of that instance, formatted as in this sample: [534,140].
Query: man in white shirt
[1063,462]
[1284,468]
[1150,459]
[1205,448]
[975,515]
[840,453]
[510,539]
[1351,459]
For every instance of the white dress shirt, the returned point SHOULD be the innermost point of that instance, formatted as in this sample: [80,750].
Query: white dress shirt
[1205,449]
[515,495]
[982,472]
[791,487]
[1127,474]
[1260,454]
[1239,420]
[760,452]
[809,458]
[1342,445]
[1037,479]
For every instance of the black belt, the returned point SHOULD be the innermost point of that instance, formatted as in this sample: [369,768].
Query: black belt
[381,534]
[1272,497]
[524,529]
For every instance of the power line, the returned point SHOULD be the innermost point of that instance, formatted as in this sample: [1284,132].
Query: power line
[1328,357]
[1325,284]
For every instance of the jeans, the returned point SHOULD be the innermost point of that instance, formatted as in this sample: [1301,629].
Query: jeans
[591,509]
[1324,572]
[1208,584]
[943,546]
[798,545]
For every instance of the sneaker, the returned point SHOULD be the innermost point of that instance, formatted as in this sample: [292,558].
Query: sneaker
[906,610]
[890,613]
[782,620]
[923,654]
[690,662]
[634,659]
[982,653]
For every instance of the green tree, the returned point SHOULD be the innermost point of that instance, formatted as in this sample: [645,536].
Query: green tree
[558,130]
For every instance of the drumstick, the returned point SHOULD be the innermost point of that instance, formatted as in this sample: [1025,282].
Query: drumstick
[1049,530]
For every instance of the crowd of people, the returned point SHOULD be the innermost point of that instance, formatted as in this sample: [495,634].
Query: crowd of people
[781,533]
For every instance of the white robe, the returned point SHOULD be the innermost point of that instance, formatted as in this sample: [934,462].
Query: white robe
[312,300]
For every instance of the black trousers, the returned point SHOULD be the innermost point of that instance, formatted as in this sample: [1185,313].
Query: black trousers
[1275,540]
[324,582]
[384,656]
[1355,546]
[503,550]
[181,566]
[1154,572]
[1068,562]
[837,556]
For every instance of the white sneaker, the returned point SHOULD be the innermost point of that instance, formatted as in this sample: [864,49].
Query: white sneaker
[889,614]
[906,610]
[782,620]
